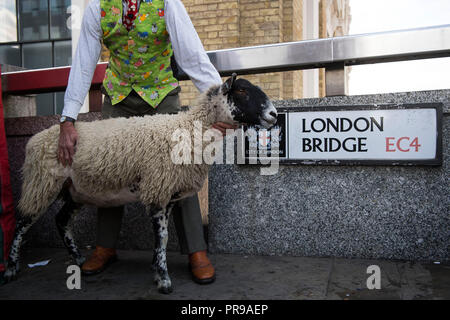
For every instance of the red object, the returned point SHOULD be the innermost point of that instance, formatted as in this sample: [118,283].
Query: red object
[7,217]
[51,80]
[46,80]
[131,14]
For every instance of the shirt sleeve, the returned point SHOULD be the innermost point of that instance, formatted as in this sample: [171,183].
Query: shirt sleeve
[85,60]
[187,47]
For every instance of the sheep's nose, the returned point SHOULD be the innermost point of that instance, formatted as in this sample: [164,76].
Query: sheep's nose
[271,116]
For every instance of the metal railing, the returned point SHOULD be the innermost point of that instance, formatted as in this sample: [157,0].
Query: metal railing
[333,54]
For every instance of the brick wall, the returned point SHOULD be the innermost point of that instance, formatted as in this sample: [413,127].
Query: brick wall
[223,24]
[217,24]
[231,24]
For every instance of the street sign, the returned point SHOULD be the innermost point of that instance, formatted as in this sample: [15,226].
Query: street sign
[387,134]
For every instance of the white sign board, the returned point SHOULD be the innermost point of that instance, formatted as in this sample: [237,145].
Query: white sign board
[407,134]
[400,134]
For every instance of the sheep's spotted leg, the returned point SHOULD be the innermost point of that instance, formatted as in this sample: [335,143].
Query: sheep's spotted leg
[22,226]
[160,221]
[62,222]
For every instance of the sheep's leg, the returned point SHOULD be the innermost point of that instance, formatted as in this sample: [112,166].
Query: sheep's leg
[160,220]
[22,226]
[62,222]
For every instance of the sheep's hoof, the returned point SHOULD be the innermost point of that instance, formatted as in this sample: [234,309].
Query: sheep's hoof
[11,273]
[79,261]
[164,285]
[165,290]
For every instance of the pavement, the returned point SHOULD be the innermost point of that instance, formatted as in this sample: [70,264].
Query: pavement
[238,278]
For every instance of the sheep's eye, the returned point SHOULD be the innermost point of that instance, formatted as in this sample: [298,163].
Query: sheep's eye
[241,91]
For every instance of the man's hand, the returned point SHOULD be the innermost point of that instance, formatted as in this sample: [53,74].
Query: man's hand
[222,127]
[68,137]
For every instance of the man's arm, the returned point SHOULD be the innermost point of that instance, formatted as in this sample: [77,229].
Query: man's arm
[85,60]
[187,46]
[189,52]
[83,66]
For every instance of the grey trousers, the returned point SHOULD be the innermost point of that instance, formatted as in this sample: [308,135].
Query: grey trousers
[186,213]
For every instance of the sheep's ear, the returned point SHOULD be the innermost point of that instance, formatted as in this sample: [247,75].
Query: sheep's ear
[227,85]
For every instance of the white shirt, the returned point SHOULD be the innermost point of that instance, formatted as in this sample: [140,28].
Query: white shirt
[188,50]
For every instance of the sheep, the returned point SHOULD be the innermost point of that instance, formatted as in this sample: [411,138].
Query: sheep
[119,161]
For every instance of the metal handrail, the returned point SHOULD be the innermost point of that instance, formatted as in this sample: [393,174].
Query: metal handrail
[411,44]
[331,53]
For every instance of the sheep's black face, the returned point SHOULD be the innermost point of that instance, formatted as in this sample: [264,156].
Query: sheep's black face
[250,104]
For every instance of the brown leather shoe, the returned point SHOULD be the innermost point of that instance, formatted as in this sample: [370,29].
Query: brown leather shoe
[201,268]
[99,260]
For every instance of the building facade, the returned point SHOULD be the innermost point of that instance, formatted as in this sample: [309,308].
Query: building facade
[35,35]
[44,33]
[240,23]
[223,24]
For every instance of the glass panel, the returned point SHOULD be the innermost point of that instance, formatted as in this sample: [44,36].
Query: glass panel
[8,31]
[59,102]
[37,55]
[63,53]
[59,18]
[44,104]
[33,20]
[10,55]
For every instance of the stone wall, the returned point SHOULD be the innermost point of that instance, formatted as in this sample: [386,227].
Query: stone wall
[392,212]
[17,106]
[388,212]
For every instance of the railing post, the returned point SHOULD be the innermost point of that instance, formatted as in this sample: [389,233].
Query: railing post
[95,100]
[336,80]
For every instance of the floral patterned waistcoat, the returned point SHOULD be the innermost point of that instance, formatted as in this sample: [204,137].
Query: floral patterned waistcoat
[140,58]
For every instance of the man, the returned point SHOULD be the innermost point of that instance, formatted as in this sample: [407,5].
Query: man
[140,35]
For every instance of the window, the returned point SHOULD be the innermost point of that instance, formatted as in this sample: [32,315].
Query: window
[58,19]
[33,20]
[37,55]
[34,35]
[10,54]
[62,53]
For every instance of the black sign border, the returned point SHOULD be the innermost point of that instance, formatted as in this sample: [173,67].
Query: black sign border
[437,161]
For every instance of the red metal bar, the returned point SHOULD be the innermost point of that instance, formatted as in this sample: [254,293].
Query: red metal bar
[45,80]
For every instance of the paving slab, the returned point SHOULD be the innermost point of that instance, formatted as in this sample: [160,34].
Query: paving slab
[239,277]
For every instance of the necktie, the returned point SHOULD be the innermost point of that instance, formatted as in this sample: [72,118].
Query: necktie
[131,14]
